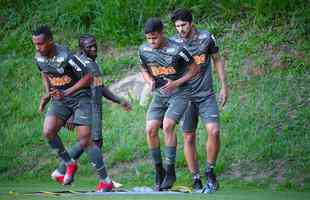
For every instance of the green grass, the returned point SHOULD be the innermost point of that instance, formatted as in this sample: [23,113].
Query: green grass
[265,137]
[17,191]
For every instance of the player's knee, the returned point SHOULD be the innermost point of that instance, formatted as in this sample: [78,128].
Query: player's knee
[189,138]
[214,132]
[151,131]
[84,141]
[168,128]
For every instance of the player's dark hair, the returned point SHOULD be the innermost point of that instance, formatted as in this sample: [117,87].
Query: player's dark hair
[182,14]
[84,37]
[44,30]
[153,24]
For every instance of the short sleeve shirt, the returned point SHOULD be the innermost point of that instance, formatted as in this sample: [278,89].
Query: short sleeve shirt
[168,62]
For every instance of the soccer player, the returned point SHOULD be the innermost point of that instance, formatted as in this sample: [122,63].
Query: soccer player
[69,89]
[86,58]
[166,67]
[202,46]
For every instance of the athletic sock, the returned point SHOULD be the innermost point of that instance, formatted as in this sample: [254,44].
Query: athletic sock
[196,175]
[58,146]
[156,156]
[170,154]
[209,167]
[95,156]
[75,152]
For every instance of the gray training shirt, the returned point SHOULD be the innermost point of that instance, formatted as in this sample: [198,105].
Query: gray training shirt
[201,47]
[168,62]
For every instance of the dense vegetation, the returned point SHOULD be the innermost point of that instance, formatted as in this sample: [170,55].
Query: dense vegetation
[265,125]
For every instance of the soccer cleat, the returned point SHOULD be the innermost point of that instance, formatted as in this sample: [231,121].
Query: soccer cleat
[159,176]
[57,176]
[212,184]
[70,171]
[197,184]
[104,186]
[169,179]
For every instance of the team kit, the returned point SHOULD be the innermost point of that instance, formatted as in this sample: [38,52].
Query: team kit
[177,69]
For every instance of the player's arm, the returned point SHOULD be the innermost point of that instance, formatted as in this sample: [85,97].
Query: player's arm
[148,78]
[112,97]
[193,70]
[84,82]
[46,97]
[213,50]
[146,74]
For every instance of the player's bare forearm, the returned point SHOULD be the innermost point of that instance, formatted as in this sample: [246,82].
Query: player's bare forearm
[45,97]
[44,100]
[193,70]
[45,82]
[84,82]
[147,78]
[109,95]
[219,66]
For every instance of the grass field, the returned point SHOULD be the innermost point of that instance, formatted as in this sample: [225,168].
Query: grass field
[265,138]
[17,191]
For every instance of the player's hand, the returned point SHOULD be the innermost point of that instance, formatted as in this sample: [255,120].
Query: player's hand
[223,95]
[126,105]
[44,100]
[169,87]
[56,94]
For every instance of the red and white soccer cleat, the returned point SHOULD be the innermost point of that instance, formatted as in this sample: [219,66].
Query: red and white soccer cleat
[70,171]
[57,176]
[104,187]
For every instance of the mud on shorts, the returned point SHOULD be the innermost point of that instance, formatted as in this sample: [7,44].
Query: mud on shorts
[206,108]
[172,107]
[79,106]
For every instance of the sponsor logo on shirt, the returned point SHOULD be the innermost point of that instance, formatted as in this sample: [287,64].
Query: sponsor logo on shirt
[200,59]
[157,71]
[60,81]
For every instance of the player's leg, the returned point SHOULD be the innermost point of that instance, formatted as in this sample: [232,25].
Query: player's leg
[153,123]
[75,153]
[96,159]
[176,108]
[57,114]
[76,150]
[189,125]
[83,117]
[209,113]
